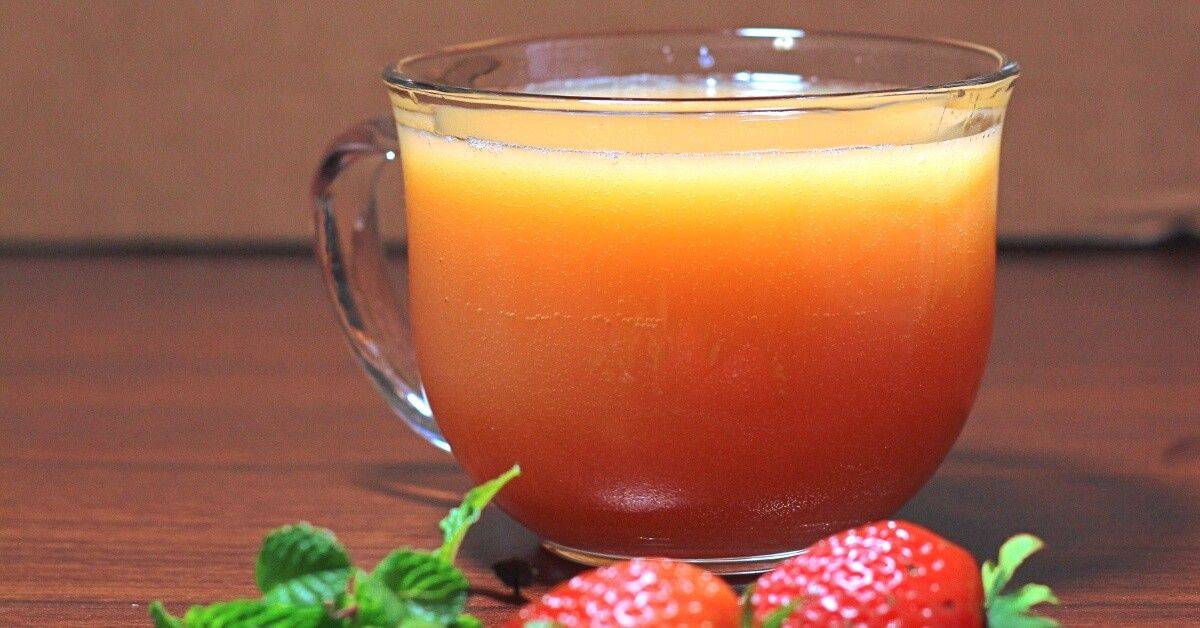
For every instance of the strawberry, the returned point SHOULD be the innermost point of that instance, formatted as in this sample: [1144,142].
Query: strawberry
[894,573]
[638,592]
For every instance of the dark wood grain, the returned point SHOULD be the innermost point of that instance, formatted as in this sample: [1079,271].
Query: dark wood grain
[157,415]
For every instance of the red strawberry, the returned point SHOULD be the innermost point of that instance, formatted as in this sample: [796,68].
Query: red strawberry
[639,592]
[894,573]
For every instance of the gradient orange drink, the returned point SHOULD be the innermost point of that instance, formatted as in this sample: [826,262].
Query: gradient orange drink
[701,336]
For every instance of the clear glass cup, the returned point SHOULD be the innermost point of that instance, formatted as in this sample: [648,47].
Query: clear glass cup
[719,293]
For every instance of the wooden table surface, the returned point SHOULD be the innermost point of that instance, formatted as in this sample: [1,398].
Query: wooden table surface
[158,414]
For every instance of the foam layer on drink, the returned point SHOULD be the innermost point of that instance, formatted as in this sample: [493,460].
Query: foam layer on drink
[741,84]
[788,123]
[696,193]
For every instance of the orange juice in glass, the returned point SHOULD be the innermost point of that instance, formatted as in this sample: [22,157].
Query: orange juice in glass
[718,293]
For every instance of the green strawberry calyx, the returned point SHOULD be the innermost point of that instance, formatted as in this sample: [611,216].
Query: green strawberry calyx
[1011,609]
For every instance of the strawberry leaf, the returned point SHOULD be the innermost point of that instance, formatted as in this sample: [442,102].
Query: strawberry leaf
[454,527]
[1027,621]
[1011,609]
[163,619]
[1012,553]
[747,619]
[301,565]
[780,615]
[1028,596]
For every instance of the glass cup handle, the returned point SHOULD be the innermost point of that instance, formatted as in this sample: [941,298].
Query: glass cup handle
[372,312]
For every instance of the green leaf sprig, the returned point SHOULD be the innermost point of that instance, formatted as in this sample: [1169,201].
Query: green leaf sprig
[308,581]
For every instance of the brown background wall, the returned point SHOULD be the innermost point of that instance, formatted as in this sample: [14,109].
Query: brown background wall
[192,121]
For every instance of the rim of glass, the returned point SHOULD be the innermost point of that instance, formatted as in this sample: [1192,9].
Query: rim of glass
[1006,68]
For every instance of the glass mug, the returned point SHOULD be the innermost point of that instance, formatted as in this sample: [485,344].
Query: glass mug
[719,293]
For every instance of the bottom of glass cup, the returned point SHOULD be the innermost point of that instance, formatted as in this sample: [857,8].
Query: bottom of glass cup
[737,565]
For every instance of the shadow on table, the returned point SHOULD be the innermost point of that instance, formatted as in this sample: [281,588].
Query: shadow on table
[1092,521]
[436,484]
[1088,518]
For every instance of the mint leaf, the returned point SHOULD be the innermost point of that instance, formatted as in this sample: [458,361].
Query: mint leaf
[255,613]
[454,526]
[412,590]
[467,621]
[429,588]
[163,619]
[463,621]
[301,564]
[373,603]
[308,581]
[314,588]
[1011,610]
